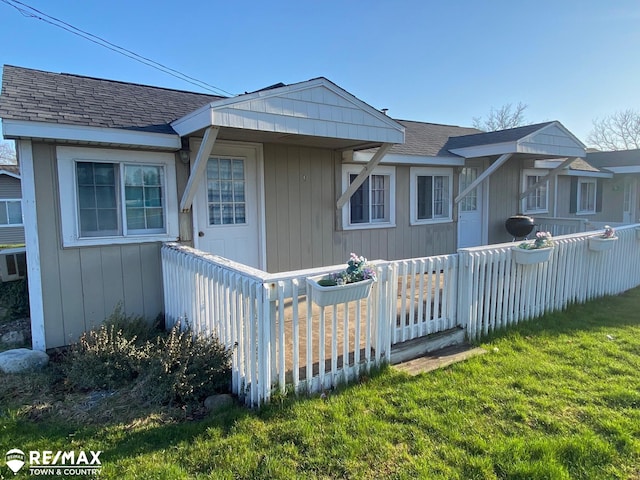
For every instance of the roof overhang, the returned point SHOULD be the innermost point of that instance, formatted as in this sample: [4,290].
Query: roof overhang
[552,140]
[9,174]
[24,129]
[316,110]
[399,159]
[627,169]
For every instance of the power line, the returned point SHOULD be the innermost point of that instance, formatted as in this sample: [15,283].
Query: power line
[22,8]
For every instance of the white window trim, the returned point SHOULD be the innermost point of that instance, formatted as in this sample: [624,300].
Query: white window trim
[582,181]
[533,173]
[21,224]
[356,169]
[416,172]
[68,156]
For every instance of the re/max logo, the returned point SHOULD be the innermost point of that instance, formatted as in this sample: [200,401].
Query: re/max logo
[48,457]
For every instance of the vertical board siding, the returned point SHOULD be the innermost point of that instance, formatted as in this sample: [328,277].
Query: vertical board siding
[301,186]
[81,286]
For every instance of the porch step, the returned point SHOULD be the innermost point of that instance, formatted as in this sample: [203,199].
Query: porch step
[418,347]
[439,359]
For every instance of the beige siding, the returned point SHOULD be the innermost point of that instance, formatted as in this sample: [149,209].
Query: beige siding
[300,196]
[11,235]
[81,286]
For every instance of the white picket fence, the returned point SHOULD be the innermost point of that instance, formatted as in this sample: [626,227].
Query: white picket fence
[495,292]
[280,340]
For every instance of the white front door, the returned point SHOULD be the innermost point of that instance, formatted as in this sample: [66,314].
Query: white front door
[470,210]
[628,210]
[227,214]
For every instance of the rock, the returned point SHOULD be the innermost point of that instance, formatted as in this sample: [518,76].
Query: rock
[13,337]
[217,402]
[22,359]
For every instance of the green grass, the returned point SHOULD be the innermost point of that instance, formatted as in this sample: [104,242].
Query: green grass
[555,398]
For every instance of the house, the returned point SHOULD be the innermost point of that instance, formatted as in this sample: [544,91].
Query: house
[621,194]
[12,255]
[289,177]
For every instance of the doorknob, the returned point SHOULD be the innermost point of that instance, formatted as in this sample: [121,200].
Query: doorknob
[201,234]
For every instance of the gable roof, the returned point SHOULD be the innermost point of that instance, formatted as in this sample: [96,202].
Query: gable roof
[548,139]
[499,136]
[62,98]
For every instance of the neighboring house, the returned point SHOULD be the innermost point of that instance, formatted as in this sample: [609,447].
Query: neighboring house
[12,256]
[290,177]
[621,194]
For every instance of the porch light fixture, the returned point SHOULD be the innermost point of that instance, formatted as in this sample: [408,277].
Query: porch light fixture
[184,156]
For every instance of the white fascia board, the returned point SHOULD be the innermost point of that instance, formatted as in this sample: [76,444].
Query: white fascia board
[548,164]
[9,174]
[486,150]
[194,121]
[585,173]
[420,160]
[223,113]
[81,133]
[628,169]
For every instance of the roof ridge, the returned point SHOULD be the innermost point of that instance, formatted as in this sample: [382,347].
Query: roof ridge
[121,82]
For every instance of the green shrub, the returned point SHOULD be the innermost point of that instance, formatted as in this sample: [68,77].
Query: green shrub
[104,358]
[14,297]
[174,367]
[184,368]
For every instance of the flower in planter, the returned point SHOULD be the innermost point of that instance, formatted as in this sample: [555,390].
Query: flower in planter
[542,240]
[609,232]
[357,270]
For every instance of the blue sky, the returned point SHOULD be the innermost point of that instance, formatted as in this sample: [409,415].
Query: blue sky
[441,62]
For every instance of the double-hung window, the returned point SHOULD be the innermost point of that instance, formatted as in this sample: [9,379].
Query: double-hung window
[431,195]
[10,213]
[116,196]
[587,188]
[373,204]
[537,200]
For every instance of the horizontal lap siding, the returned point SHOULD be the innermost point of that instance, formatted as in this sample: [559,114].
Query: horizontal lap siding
[10,188]
[300,207]
[82,286]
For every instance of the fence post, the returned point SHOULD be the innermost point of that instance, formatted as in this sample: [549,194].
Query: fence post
[465,285]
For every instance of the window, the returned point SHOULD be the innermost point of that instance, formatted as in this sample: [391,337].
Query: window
[430,192]
[117,196]
[226,187]
[373,203]
[536,201]
[586,195]
[16,264]
[10,213]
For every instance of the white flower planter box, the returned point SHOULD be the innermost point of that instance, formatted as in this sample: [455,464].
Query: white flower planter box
[525,256]
[338,294]
[599,244]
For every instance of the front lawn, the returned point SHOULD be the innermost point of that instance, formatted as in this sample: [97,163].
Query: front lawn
[558,397]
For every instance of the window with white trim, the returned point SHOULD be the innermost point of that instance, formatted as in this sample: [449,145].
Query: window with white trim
[536,201]
[373,203]
[10,213]
[431,195]
[587,191]
[117,196]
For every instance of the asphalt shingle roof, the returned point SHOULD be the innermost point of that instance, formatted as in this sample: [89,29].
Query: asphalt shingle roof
[428,139]
[621,158]
[39,96]
[500,136]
